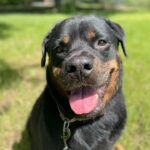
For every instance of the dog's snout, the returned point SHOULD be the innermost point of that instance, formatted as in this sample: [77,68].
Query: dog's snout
[79,66]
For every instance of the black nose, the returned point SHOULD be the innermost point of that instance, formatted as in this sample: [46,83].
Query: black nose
[81,66]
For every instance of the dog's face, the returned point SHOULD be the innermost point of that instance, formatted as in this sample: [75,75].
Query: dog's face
[84,61]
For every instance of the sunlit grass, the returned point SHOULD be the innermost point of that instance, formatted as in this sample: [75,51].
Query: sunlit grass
[22,79]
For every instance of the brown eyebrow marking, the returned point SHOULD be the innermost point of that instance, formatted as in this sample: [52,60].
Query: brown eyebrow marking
[66,39]
[91,34]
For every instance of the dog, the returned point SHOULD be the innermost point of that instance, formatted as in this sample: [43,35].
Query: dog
[82,106]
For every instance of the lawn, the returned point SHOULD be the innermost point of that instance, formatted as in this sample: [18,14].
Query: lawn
[22,79]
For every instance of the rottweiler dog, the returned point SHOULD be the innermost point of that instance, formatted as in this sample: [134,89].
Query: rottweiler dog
[82,106]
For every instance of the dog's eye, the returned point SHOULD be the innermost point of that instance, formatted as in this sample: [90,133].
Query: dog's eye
[100,44]
[59,49]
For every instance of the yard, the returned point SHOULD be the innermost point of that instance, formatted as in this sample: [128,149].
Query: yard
[22,79]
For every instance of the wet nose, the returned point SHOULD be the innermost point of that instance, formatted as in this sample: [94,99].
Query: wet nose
[79,66]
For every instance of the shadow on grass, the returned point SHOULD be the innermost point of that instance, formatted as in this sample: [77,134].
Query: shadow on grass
[23,144]
[8,75]
[5,30]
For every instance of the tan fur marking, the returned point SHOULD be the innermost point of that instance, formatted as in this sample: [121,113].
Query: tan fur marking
[91,34]
[56,71]
[110,90]
[66,39]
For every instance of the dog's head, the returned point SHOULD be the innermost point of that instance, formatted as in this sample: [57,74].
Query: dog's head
[84,62]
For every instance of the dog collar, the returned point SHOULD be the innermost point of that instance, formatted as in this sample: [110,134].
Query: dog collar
[66,134]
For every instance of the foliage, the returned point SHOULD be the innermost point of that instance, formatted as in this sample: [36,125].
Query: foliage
[14,2]
[141,3]
[22,79]
[65,5]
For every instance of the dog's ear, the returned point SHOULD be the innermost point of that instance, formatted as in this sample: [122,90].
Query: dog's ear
[118,31]
[44,49]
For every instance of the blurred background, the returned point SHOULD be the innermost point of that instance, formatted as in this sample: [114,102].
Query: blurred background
[24,23]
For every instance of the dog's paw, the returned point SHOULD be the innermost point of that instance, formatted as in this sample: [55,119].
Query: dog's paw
[118,147]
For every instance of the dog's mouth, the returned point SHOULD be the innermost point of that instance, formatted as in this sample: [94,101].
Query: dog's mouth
[86,99]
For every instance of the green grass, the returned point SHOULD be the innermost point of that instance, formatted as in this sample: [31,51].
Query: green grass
[22,79]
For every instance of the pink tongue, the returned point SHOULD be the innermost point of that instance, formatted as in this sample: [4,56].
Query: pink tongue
[83,100]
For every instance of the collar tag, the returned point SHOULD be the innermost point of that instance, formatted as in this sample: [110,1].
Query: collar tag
[66,134]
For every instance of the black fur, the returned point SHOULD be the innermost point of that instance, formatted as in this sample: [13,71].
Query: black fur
[99,131]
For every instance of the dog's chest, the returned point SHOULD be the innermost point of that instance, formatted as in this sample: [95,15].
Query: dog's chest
[89,137]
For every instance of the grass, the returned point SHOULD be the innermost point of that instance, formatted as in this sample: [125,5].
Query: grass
[22,79]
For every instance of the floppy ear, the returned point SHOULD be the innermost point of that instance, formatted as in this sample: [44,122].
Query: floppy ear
[117,29]
[44,50]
